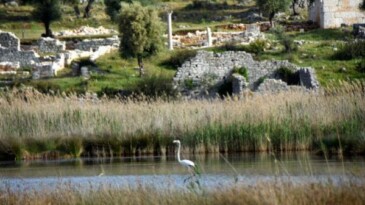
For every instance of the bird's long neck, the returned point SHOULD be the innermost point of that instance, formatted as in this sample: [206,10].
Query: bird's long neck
[178,152]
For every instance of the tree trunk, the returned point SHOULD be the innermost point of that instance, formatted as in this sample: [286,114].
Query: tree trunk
[271,17]
[140,65]
[88,8]
[295,13]
[47,26]
[77,10]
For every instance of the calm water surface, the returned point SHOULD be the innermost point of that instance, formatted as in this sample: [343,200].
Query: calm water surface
[164,172]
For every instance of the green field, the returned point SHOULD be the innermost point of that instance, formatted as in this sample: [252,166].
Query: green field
[121,74]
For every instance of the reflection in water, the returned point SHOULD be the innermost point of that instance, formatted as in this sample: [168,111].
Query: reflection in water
[299,163]
[247,168]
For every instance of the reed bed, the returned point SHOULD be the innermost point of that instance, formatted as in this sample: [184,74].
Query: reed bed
[264,193]
[34,125]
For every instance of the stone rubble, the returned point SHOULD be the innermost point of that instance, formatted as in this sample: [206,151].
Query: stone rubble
[249,33]
[87,31]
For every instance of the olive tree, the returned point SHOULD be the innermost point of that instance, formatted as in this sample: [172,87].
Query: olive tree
[272,7]
[140,31]
[113,7]
[47,11]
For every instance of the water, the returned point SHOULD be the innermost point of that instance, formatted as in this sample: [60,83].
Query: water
[165,172]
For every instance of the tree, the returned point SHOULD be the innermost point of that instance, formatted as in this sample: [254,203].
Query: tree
[47,11]
[299,3]
[362,5]
[112,8]
[140,31]
[88,8]
[272,7]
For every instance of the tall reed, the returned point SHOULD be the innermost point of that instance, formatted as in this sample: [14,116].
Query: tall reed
[262,193]
[38,125]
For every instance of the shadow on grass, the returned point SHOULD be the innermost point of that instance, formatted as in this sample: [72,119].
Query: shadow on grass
[6,16]
[323,35]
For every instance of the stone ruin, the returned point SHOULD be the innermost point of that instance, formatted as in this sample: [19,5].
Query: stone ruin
[247,34]
[12,57]
[334,13]
[10,52]
[204,74]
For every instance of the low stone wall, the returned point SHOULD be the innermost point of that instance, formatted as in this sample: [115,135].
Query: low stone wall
[203,74]
[94,44]
[51,45]
[9,40]
[25,58]
[49,67]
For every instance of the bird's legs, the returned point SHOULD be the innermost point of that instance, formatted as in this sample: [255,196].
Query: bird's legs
[192,174]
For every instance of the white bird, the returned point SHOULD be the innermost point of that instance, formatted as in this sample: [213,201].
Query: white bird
[186,163]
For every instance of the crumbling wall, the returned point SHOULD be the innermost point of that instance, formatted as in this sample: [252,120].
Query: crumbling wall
[9,40]
[51,45]
[333,13]
[25,58]
[203,74]
[94,44]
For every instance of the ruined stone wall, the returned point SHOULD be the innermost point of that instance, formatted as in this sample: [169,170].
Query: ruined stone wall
[308,78]
[25,58]
[203,74]
[333,13]
[51,45]
[94,44]
[9,40]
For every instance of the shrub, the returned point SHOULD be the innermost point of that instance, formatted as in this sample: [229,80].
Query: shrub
[351,50]
[257,47]
[156,86]
[361,66]
[207,4]
[285,40]
[242,71]
[231,46]
[189,84]
[287,75]
[179,57]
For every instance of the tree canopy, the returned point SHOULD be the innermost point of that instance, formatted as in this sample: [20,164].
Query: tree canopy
[272,7]
[47,11]
[140,31]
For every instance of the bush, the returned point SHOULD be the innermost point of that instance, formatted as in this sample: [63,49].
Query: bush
[361,66]
[285,40]
[207,4]
[351,50]
[257,47]
[242,71]
[179,57]
[287,75]
[231,46]
[156,86]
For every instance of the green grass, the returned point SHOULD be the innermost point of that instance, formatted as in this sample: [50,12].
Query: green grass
[19,21]
[115,73]
[318,52]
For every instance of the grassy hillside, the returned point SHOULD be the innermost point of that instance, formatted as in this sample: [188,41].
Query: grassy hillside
[121,74]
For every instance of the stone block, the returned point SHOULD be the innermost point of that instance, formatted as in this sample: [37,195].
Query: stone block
[51,45]
[9,40]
